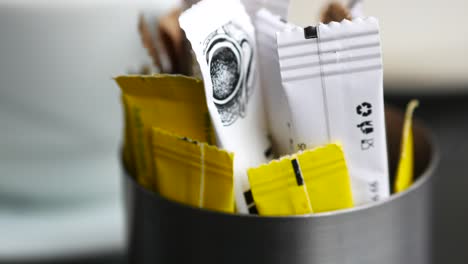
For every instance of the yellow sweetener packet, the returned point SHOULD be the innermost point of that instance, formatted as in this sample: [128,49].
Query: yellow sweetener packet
[127,150]
[404,176]
[315,180]
[173,102]
[193,172]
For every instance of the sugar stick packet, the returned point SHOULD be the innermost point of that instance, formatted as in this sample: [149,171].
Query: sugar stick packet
[277,7]
[332,76]
[267,25]
[311,181]
[356,8]
[224,45]
[172,102]
[192,172]
[252,6]
[404,176]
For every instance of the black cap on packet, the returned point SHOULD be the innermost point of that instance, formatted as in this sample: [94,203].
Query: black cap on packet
[310,32]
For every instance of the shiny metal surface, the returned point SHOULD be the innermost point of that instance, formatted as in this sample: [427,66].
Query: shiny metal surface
[397,230]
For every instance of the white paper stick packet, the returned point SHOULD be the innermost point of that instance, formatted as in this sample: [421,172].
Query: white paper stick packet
[252,6]
[279,117]
[223,40]
[277,7]
[356,8]
[332,76]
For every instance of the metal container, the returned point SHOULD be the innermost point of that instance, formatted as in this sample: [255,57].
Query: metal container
[397,230]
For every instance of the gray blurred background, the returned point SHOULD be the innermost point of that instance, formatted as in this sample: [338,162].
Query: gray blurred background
[60,199]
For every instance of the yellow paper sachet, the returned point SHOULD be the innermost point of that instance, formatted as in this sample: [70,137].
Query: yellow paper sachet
[277,190]
[315,180]
[327,178]
[127,150]
[404,176]
[192,172]
[172,102]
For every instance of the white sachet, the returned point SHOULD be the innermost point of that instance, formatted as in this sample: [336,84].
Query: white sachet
[223,40]
[279,117]
[277,7]
[332,76]
[252,6]
[356,8]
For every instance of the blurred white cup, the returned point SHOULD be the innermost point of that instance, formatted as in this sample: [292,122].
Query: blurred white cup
[60,114]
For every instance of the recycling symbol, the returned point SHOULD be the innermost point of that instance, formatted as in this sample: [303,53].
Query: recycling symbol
[364,109]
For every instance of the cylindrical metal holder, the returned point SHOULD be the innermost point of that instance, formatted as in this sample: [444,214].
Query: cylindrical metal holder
[394,231]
